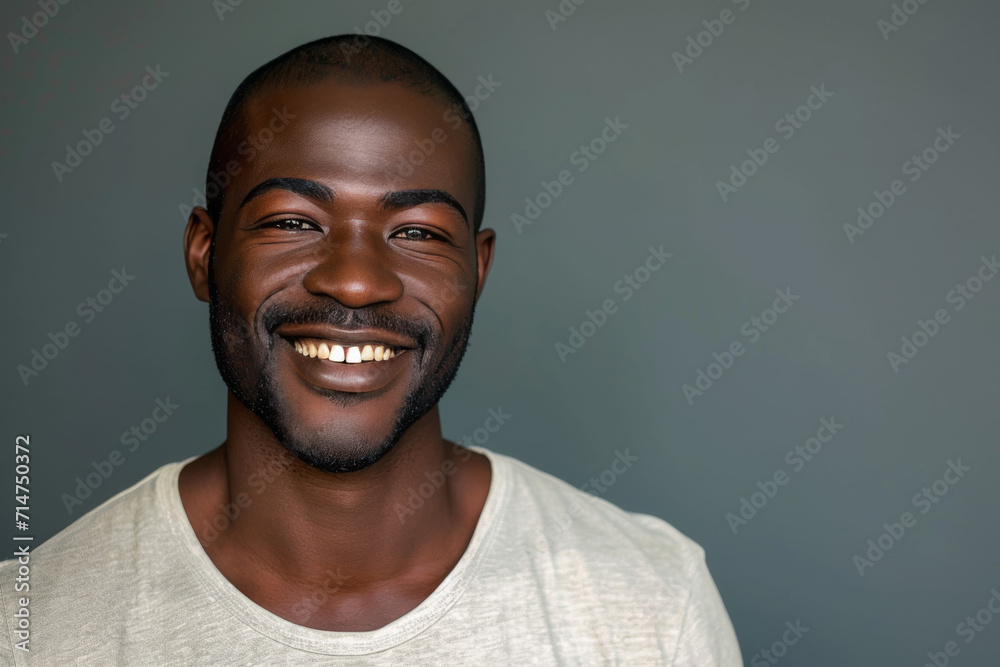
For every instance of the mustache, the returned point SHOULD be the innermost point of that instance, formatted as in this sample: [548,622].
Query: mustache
[334,314]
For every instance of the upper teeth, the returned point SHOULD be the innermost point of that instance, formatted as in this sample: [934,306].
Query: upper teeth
[351,354]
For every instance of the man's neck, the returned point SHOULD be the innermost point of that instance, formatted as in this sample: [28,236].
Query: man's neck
[278,528]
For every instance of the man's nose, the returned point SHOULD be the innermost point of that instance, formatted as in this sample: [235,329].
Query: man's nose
[355,267]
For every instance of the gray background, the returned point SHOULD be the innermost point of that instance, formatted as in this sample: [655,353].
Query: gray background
[825,357]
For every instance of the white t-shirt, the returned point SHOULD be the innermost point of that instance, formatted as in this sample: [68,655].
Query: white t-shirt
[551,576]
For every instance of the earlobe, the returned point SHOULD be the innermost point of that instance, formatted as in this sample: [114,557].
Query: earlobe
[485,244]
[197,243]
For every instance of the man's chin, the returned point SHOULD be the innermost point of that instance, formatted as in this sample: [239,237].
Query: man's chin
[344,442]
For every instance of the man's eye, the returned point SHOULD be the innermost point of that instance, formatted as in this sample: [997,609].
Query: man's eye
[290,224]
[416,234]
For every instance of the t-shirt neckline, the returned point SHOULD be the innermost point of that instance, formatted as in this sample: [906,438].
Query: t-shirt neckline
[221,591]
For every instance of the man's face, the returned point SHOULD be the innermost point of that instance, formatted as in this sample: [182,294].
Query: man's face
[332,238]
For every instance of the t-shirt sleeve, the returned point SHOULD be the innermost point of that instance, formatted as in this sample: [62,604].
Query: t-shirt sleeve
[707,637]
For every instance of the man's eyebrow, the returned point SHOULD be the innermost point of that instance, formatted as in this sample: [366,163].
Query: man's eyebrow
[406,198]
[299,186]
[396,199]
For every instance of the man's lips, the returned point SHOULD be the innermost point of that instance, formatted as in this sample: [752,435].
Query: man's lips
[318,333]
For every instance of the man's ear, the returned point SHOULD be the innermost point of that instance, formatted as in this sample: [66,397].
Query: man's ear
[197,243]
[485,243]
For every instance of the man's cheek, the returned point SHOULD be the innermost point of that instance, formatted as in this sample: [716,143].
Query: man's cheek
[456,289]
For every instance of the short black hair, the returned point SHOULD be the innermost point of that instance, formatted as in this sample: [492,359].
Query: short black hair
[355,58]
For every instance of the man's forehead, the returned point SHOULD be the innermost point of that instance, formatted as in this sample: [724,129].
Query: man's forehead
[388,135]
[334,96]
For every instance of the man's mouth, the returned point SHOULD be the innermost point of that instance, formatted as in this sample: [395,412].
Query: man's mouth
[345,353]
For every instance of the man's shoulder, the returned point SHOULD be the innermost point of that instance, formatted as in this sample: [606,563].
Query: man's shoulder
[104,573]
[631,577]
[552,516]
[105,532]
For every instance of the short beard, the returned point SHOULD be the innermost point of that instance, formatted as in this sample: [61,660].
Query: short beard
[251,379]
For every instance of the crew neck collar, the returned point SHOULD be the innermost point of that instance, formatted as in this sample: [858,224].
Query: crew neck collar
[222,592]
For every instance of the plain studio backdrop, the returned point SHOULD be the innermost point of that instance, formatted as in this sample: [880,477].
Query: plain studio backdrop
[822,176]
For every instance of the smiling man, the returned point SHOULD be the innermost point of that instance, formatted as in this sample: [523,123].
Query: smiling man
[342,267]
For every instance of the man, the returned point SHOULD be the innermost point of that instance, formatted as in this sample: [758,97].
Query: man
[342,257]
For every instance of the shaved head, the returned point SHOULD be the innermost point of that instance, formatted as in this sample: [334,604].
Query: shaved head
[352,59]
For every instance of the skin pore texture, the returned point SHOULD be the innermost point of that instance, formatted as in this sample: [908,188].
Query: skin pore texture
[311,245]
